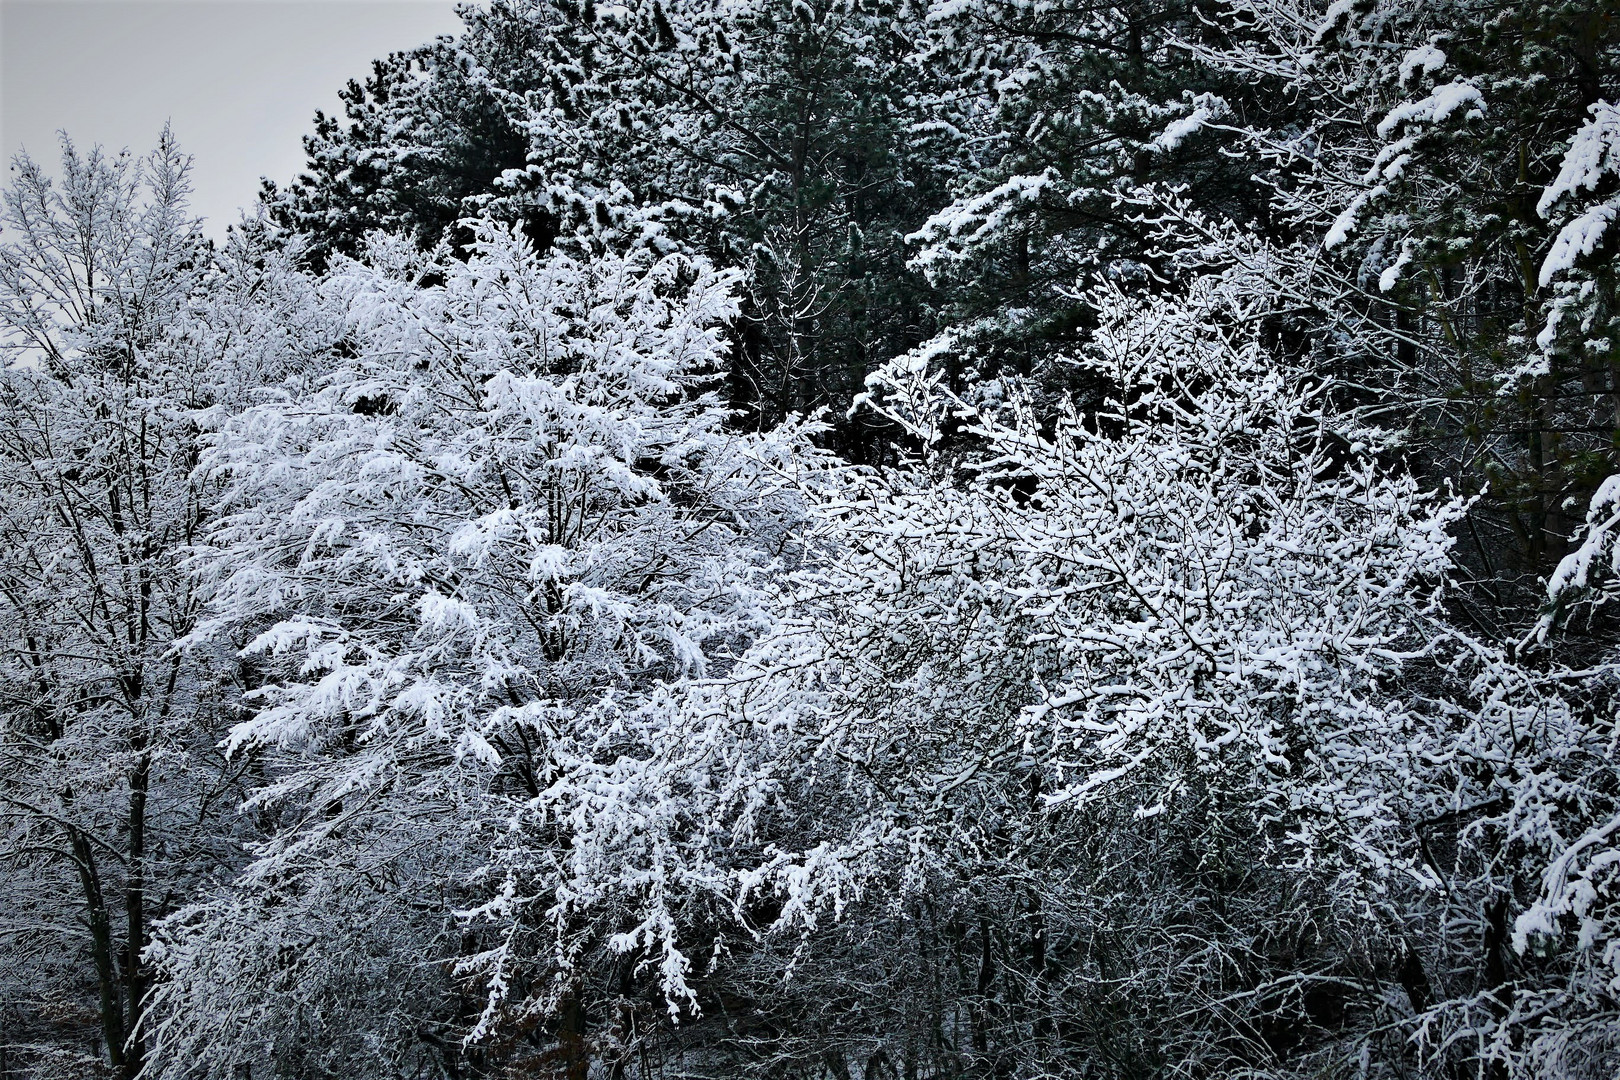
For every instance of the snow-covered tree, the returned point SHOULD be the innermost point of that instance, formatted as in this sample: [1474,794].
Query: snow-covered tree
[114,801]
[514,512]
[769,136]
[1425,157]
[1194,606]
[1213,680]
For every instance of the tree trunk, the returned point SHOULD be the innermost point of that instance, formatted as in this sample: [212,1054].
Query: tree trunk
[101,947]
[135,911]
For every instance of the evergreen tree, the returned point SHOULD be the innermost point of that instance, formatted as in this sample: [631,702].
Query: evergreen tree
[419,141]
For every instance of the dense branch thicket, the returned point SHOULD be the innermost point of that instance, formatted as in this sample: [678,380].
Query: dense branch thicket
[858,539]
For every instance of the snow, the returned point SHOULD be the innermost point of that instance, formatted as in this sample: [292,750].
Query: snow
[949,233]
[572,683]
[1437,107]
[1392,273]
[1426,58]
[1205,108]
[1593,154]
[1574,570]
[1332,17]
[1578,238]
[1345,223]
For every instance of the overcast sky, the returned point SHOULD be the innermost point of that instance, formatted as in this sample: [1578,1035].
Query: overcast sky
[239,79]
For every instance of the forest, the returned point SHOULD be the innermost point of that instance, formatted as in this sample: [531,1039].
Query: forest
[833,540]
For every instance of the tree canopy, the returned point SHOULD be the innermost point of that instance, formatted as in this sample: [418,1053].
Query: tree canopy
[858,539]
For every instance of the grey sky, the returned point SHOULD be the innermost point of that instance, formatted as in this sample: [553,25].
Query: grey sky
[239,79]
